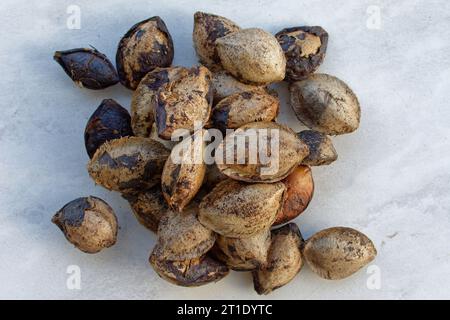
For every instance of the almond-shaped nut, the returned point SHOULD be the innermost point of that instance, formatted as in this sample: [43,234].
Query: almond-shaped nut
[184,102]
[146,46]
[252,55]
[88,223]
[299,192]
[325,104]
[272,152]
[207,29]
[337,253]
[245,107]
[284,260]
[128,164]
[321,149]
[240,210]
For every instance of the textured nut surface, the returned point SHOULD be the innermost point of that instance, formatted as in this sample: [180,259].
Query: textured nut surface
[128,164]
[88,223]
[299,191]
[252,55]
[207,29]
[284,260]
[321,149]
[282,161]
[305,49]
[325,104]
[146,46]
[224,85]
[339,252]
[240,210]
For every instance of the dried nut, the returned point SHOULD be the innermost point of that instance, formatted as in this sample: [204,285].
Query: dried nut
[143,102]
[286,152]
[146,46]
[88,223]
[189,273]
[244,254]
[184,171]
[128,164]
[207,29]
[213,176]
[245,107]
[325,104]
[182,237]
[252,55]
[239,210]
[184,101]
[110,121]
[339,252]
[321,149]
[299,191]
[284,260]
[148,207]
[88,68]
[305,49]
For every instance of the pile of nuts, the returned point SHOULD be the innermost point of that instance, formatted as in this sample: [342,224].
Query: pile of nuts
[212,217]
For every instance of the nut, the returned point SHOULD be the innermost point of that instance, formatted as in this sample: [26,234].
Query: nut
[213,176]
[285,152]
[110,121]
[321,149]
[88,68]
[339,252]
[184,101]
[128,164]
[252,55]
[325,104]
[284,260]
[299,191]
[207,29]
[88,223]
[305,49]
[146,46]
[239,210]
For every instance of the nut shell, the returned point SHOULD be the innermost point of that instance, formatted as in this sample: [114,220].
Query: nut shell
[321,149]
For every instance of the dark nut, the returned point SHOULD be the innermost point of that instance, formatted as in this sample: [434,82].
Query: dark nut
[184,101]
[207,29]
[88,68]
[110,121]
[239,210]
[299,191]
[321,149]
[305,49]
[213,176]
[252,55]
[146,46]
[88,223]
[325,104]
[128,164]
[339,252]
[284,261]
[245,107]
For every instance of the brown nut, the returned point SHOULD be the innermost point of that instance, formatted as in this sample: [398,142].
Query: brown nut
[88,68]
[213,176]
[207,29]
[146,46]
[239,210]
[337,253]
[325,104]
[252,55]
[183,102]
[299,191]
[128,164]
[88,223]
[286,151]
[110,121]
[321,149]
[284,260]
[245,107]
[305,49]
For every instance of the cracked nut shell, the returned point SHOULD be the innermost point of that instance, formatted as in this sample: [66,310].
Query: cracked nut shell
[321,149]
